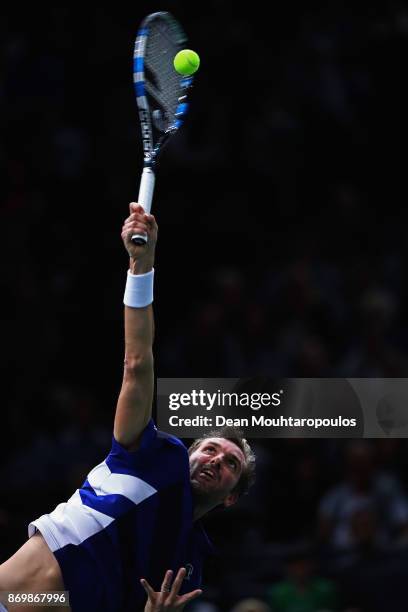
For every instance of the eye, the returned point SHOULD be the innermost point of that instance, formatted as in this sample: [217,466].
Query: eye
[233,464]
[209,449]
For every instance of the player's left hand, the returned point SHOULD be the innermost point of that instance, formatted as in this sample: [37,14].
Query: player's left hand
[168,598]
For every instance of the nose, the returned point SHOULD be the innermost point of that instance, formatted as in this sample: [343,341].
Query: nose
[216,461]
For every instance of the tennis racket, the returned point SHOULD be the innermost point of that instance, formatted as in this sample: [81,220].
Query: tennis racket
[161,94]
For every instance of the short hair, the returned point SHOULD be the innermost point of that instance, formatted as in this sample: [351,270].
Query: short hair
[247,478]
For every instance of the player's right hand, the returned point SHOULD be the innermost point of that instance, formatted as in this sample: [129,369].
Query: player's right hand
[139,222]
[168,599]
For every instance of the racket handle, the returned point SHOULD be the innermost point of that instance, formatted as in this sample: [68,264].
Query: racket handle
[145,199]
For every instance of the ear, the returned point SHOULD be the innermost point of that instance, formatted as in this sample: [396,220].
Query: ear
[230,500]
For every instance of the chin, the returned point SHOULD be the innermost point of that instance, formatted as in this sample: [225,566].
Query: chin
[200,488]
[196,485]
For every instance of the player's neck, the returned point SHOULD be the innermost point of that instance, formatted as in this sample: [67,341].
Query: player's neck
[201,507]
[199,510]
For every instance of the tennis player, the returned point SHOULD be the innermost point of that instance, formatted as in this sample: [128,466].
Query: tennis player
[138,512]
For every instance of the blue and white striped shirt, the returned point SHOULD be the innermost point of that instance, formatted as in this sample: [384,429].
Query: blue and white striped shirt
[132,518]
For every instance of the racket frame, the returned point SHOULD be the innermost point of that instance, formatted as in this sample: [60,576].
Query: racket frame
[151,150]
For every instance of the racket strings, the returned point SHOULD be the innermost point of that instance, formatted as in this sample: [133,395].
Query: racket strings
[161,80]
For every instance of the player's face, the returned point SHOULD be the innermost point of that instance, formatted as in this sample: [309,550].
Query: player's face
[215,468]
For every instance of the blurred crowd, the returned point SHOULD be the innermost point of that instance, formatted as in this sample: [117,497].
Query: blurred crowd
[328,532]
[281,207]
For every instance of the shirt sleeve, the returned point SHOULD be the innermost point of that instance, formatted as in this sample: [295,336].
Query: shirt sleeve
[147,442]
[160,459]
[122,460]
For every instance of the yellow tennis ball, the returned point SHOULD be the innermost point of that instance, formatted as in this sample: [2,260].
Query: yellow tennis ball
[186,62]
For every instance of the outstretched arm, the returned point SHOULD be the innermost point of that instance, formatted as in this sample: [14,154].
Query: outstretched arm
[134,405]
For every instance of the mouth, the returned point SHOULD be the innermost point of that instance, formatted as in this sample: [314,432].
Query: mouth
[207,474]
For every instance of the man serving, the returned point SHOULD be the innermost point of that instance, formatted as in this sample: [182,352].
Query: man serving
[136,517]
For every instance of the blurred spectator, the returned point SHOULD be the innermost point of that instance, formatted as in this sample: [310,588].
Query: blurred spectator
[368,506]
[375,355]
[203,606]
[374,580]
[251,605]
[303,590]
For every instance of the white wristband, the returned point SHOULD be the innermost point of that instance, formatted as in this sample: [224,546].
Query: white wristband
[139,289]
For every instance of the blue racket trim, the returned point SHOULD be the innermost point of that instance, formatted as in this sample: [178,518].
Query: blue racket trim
[138,64]
[181,109]
[140,89]
[186,82]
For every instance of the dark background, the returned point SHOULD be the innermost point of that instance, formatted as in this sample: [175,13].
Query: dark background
[281,207]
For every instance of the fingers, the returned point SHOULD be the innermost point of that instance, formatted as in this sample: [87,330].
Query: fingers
[178,581]
[138,218]
[141,221]
[131,226]
[173,595]
[128,232]
[135,207]
[137,212]
[150,592]
[166,584]
[137,223]
[184,599]
[168,597]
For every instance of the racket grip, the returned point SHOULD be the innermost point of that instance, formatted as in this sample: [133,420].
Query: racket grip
[145,199]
